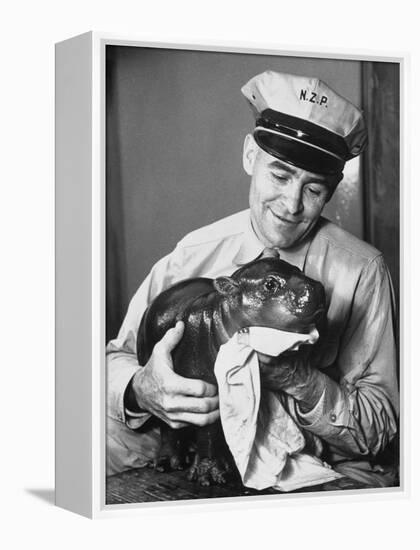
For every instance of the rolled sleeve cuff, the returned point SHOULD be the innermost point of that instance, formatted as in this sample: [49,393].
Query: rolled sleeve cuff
[313,416]
[116,389]
[136,420]
[329,414]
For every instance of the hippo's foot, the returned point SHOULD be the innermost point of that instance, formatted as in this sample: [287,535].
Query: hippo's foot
[168,463]
[209,471]
[176,451]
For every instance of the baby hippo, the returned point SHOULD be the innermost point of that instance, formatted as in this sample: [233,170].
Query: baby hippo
[265,293]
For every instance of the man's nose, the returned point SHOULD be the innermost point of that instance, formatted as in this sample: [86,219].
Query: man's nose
[292,199]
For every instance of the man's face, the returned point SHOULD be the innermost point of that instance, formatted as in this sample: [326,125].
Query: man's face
[285,201]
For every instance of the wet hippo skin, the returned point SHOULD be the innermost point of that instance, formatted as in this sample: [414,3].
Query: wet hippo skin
[267,292]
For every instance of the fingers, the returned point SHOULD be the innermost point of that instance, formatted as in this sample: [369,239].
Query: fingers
[180,411]
[175,425]
[194,388]
[180,420]
[177,400]
[199,405]
[184,411]
[179,384]
[171,339]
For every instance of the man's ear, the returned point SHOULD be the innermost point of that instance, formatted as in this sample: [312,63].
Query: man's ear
[249,154]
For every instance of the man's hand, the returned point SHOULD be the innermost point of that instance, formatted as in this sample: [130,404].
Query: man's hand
[293,373]
[176,400]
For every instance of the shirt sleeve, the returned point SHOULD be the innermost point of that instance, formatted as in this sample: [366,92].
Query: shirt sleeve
[121,353]
[357,416]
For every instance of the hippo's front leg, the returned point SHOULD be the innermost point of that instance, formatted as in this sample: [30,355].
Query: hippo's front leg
[213,463]
[175,450]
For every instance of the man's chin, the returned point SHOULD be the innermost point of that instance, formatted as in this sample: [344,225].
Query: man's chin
[285,242]
[288,239]
[280,235]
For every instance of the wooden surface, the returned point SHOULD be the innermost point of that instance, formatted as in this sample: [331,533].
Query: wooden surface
[147,485]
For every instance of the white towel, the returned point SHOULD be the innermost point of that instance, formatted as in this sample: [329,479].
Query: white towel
[264,440]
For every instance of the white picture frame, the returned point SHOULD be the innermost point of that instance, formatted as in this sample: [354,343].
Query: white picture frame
[80,274]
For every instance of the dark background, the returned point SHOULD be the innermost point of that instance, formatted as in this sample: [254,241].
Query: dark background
[175,125]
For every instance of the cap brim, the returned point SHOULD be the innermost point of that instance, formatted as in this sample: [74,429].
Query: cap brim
[298,153]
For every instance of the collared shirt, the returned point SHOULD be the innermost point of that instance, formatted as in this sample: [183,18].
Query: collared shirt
[357,413]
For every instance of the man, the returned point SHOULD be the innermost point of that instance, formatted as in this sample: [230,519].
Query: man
[346,399]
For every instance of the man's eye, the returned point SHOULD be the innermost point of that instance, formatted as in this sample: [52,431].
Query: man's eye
[279,177]
[314,191]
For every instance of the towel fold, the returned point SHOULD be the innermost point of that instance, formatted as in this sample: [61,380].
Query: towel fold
[263,438]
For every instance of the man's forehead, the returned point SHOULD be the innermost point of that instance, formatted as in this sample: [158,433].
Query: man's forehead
[277,164]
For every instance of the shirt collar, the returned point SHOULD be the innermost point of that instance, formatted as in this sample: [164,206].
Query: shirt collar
[251,247]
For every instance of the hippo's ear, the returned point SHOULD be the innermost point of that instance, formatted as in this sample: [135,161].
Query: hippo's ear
[226,286]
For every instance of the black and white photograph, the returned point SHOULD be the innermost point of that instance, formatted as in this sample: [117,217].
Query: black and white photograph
[252,274]
[210,302]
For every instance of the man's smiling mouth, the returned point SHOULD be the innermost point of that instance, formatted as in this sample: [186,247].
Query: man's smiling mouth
[285,220]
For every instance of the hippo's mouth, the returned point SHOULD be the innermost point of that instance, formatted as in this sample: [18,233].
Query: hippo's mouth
[306,321]
[316,315]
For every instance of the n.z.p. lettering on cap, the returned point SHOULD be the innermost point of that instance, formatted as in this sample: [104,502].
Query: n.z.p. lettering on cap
[304,122]
[313,97]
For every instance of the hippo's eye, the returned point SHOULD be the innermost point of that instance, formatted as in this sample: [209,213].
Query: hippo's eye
[271,285]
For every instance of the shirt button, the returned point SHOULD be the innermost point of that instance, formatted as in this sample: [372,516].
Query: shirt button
[333,417]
